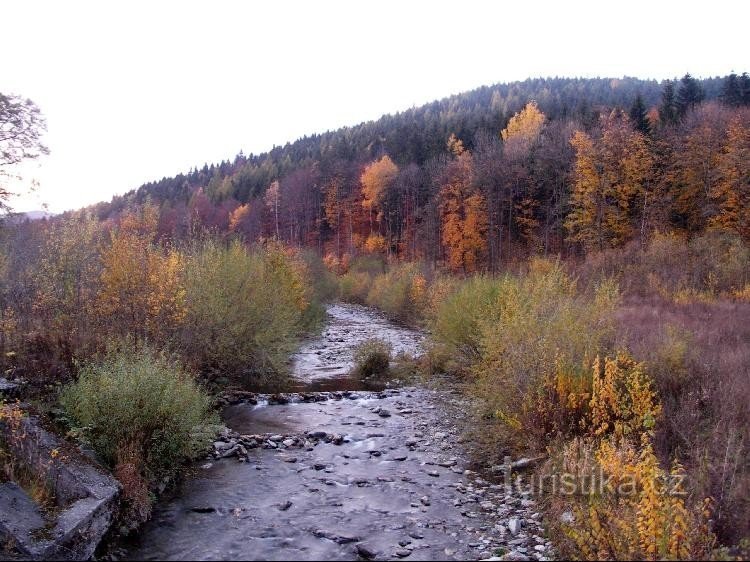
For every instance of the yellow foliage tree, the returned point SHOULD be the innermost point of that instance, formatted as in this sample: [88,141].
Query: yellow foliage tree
[611,184]
[523,129]
[376,179]
[732,192]
[141,288]
[238,216]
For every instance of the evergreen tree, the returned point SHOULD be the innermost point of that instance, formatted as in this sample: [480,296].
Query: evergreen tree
[744,88]
[638,116]
[668,108]
[730,91]
[689,94]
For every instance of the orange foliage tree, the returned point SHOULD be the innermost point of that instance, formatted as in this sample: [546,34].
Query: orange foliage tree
[463,213]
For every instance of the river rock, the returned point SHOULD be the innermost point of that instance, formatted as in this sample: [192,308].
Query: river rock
[514,525]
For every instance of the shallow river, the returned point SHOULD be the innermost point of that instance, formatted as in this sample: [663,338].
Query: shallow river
[396,485]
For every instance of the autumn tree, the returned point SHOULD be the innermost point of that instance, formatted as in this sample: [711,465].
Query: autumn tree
[520,138]
[141,290]
[610,188]
[523,128]
[377,178]
[463,212]
[272,198]
[731,193]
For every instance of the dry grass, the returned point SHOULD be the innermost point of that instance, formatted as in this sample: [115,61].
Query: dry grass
[699,356]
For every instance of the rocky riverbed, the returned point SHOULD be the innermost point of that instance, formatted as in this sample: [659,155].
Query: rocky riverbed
[343,475]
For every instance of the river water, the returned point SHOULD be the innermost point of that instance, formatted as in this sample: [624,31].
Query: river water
[396,487]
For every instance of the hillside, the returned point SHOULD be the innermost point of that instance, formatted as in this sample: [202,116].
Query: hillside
[414,135]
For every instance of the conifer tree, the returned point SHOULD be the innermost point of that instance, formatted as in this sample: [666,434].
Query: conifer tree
[638,115]
[668,109]
[730,91]
[689,94]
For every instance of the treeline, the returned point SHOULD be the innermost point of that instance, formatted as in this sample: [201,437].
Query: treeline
[485,178]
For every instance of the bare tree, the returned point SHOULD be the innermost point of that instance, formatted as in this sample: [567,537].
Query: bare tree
[21,127]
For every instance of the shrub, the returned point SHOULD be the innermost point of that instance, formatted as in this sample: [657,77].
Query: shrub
[372,358]
[244,309]
[354,287]
[636,511]
[458,311]
[698,355]
[140,412]
[537,343]
[703,268]
[400,292]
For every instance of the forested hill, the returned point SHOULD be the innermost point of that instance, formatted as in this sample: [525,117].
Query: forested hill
[482,178]
[414,135]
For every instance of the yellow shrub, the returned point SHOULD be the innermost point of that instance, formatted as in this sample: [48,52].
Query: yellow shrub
[641,513]
[623,401]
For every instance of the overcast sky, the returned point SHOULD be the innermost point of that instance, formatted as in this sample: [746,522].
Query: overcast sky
[136,91]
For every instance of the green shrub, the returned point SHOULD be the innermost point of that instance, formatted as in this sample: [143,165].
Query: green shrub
[537,342]
[137,407]
[245,309]
[370,264]
[372,358]
[398,292]
[354,287]
[456,323]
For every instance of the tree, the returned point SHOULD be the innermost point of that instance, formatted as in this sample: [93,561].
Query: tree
[523,129]
[668,107]
[731,94]
[732,191]
[520,138]
[273,195]
[638,115]
[141,290]
[689,95]
[611,173]
[463,212]
[744,87]
[376,180]
[693,168]
[21,129]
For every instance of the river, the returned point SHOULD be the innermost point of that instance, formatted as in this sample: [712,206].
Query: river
[389,480]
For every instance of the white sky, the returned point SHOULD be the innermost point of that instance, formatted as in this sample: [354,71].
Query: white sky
[134,91]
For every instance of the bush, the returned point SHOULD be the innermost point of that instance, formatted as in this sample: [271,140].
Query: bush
[538,340]
[400,292]
[456,323]
[141,413]
[372,358]
[354,287]
[698,355]
[245,309]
